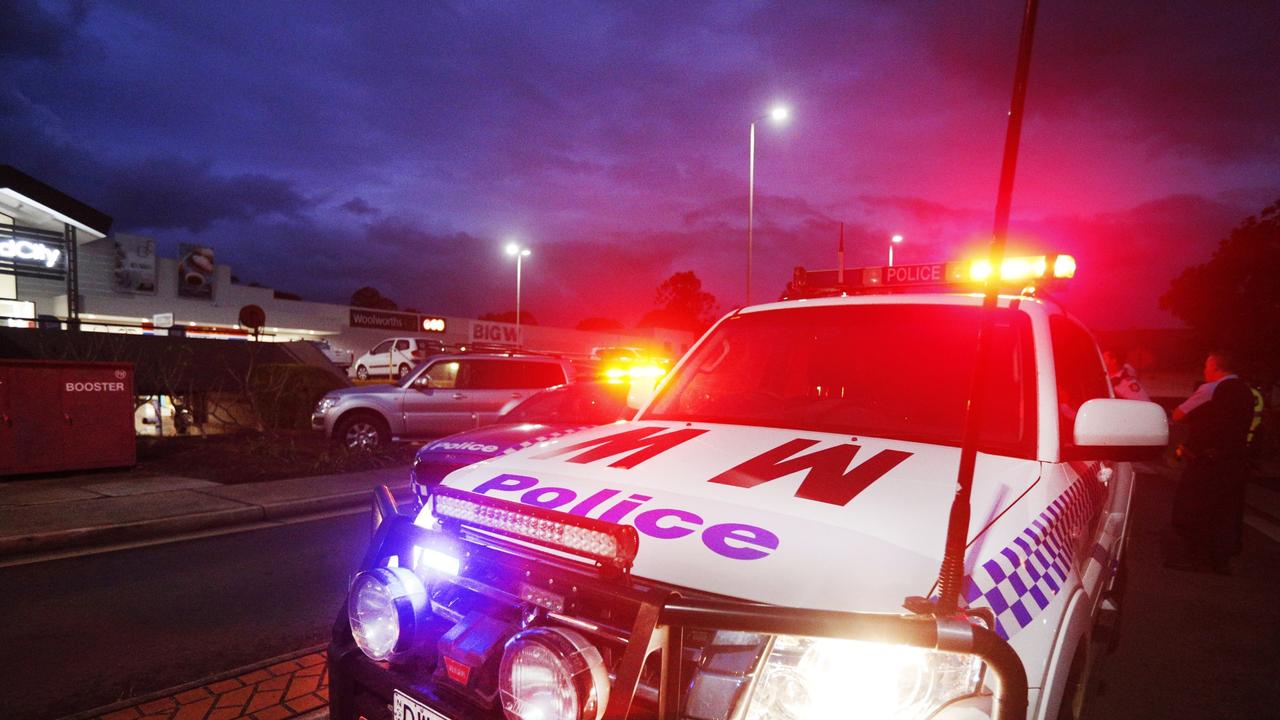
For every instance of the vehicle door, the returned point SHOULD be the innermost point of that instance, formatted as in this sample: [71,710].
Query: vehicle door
[433,400]
[401,355]
[377,359]
[497,385]
[1095,493]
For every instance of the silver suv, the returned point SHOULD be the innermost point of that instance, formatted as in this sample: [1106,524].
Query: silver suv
[445,394]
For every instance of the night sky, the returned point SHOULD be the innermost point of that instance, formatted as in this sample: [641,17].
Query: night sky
[321,146]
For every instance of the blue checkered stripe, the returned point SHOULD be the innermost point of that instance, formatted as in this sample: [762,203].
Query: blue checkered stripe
[1019,581]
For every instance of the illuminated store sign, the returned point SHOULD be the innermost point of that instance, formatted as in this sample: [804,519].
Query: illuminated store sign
[30,252]
[382,320]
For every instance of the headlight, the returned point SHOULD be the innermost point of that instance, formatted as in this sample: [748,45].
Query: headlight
[385,607]
[552,674]
[325,404]
[822,678]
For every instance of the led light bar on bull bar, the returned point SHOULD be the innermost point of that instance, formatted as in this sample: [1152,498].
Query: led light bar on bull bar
[613,546]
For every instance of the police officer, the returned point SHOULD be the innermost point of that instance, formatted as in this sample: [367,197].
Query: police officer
[1209,506]
[1124,379]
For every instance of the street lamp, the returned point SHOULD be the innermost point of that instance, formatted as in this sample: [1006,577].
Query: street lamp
[778,114]
[519,253]
[892,241]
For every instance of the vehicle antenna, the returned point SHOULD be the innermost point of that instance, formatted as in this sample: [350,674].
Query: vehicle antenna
[840,258]
[951,574]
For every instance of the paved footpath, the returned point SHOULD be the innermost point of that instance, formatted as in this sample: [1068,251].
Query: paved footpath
[60,514]
[282,690]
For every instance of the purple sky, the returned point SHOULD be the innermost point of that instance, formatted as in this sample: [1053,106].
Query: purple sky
[322,146]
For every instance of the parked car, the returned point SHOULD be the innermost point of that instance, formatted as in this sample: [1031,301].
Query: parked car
[337,356]
[395,357]
[444,395]
[552,413]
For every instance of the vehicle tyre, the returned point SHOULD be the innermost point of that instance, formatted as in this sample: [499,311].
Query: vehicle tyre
[402,370]
[362,431]
[1076,691]
[362,372]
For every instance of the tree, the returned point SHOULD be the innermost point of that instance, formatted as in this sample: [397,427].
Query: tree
[370,297]
[599,324]
[1232,301]
[682,304]
[510,317]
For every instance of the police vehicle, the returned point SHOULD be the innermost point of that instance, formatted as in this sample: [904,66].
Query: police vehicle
[551,413]
[763,539]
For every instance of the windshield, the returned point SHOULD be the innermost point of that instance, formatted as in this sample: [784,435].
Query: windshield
[894,371]
[574,404]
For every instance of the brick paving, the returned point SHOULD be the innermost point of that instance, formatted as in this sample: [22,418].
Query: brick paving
[284,690]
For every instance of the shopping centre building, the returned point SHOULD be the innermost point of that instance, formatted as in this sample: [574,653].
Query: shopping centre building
[62,266]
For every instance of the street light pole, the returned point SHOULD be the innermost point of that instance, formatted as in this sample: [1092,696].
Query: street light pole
[778,114]
[520,254]
[751,202]
[892,241]
[519,259]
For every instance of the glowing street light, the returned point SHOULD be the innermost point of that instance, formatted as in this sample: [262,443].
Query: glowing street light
[892,241]
[778,114]
[519,253]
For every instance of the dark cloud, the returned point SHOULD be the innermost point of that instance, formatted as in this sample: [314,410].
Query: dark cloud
[31,30]
[359,206]
[401,150]
[1187,76]
[1128,258]
[169,193]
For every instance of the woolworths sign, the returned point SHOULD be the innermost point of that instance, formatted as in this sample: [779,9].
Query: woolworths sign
[383,320]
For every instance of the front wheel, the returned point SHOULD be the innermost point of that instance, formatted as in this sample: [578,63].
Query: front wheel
[362,431]
[1076,691]
[362,372]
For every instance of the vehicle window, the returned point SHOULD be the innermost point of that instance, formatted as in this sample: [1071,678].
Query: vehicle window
[402,345]
[486,375]
[509,374]
[439,375]
[1080,372]
[539,374]
[380,348]
[584,403]
[428,344]
[547,406]
[896,371]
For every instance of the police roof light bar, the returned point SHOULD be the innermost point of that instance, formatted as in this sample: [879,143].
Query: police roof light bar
[1015,273]
[613,546]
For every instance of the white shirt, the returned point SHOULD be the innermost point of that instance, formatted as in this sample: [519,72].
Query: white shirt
[1126,385]
[1202,395]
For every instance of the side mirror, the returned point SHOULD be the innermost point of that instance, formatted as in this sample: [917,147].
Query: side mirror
[1107,429]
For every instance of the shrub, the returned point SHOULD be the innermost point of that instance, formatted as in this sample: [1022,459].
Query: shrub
[285,394]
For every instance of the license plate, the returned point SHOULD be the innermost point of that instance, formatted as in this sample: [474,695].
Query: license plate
[406,708]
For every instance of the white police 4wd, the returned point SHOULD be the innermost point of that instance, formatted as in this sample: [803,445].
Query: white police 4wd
[750,538]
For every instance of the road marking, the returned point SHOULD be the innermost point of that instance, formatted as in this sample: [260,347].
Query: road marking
[181,537]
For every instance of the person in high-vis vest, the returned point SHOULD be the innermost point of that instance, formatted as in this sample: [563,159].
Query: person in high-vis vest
[1209,505]
[1259,405]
